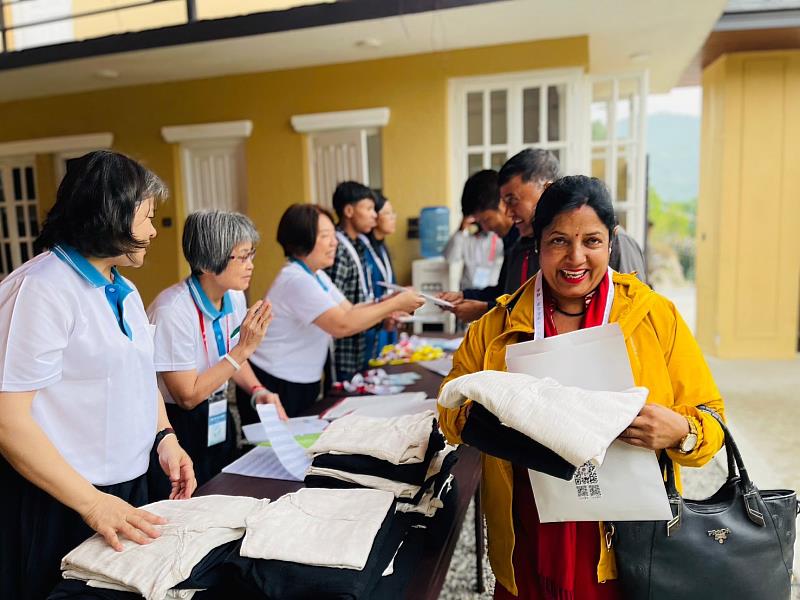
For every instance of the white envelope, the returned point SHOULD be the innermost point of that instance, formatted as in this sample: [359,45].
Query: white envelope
[628,486]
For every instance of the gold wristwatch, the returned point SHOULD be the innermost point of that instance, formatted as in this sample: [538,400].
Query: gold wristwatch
[689,441]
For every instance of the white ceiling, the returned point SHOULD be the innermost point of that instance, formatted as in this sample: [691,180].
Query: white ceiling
[664,35]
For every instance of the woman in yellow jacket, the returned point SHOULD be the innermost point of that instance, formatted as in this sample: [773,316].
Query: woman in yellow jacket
[573,226]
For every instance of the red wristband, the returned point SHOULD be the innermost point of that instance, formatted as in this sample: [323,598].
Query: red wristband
[255,388]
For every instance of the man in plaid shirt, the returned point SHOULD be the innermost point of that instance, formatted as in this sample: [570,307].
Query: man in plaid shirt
[355,210]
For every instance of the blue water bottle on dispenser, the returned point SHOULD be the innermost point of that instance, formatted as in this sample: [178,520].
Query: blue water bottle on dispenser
[434,230]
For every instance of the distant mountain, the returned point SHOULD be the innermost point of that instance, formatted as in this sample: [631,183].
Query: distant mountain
[673,148]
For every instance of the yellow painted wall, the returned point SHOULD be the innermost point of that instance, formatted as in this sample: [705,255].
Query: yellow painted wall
[748,258]
[415,143]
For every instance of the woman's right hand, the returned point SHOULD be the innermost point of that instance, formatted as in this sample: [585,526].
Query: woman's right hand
[111,517]
[254,327]
[407,301]
[454,297]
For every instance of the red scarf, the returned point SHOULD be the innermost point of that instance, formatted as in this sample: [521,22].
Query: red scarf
[564,555]
[557,543]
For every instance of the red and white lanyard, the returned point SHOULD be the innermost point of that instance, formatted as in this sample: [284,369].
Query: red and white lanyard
[538,304]
[202,320]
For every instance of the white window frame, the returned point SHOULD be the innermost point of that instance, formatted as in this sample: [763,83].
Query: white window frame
[10,204]
[635,208]
[575,142]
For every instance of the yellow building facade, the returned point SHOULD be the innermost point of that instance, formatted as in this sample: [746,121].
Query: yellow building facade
[748,257]
[415,144]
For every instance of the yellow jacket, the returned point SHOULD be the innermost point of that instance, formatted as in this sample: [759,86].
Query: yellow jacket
[664,358]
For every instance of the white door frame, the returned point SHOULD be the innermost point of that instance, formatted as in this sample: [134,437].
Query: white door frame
[458,88]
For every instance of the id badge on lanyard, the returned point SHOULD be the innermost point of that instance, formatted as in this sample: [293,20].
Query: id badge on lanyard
[217,403]
[217,419]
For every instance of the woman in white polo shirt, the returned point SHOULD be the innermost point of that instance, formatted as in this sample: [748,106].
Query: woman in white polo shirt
[308,310]
[204,336]
[79,404]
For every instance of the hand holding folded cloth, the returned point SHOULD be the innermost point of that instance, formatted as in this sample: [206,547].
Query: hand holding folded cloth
[485,432]
[579,425]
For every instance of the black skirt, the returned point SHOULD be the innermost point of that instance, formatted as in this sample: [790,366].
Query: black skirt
[38,531]
[191,427]
[296,398]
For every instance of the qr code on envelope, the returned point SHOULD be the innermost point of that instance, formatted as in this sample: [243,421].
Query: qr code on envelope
[586,482]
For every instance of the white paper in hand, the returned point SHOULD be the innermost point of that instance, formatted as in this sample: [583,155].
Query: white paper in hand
[291,455]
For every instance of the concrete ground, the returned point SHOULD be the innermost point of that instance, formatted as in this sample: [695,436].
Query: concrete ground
[763,411]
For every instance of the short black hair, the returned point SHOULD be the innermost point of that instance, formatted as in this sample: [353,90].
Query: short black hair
[481,193]
[298,228]
[95,205]
[349,192]
[570,193]
[380,200]
[530,164]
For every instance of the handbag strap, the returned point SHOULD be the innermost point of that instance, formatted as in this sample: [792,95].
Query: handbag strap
[735,464]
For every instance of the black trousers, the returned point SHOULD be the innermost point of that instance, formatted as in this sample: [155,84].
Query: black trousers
[38,531]
[295,397]
[191,427]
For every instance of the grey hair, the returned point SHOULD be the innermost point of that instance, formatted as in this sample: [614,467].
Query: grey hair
[209,237]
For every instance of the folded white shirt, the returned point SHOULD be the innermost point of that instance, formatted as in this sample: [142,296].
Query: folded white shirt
[577,424]
[398,488]
[399,440]
[318,526]
[194,528]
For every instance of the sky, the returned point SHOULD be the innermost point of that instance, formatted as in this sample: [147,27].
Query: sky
[683,101]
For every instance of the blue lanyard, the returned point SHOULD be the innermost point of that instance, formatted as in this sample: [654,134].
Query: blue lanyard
[305,268]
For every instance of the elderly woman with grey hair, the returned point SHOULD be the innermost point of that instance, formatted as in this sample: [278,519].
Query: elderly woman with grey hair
[204,335]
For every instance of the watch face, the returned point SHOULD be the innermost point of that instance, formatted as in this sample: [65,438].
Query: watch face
[689,442]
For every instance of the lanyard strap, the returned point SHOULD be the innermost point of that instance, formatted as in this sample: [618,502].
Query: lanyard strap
[524,274]
[316,276]
[221,349]
[493,248]
[388,263]
[383,264]
[364,282]
[538,304]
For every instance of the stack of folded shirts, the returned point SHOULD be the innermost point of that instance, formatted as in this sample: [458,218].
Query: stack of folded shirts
[186,547]
[400,455]
[576,424]
[318,543]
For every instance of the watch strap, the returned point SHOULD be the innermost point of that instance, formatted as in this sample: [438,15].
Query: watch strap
[162,434]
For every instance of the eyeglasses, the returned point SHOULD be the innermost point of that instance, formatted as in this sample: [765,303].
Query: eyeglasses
[244,257]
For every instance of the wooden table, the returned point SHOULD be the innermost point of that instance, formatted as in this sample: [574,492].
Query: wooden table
[431,568]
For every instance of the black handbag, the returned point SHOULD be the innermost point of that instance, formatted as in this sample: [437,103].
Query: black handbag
[737,544]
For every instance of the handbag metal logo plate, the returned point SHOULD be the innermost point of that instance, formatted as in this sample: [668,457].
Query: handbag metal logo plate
[719,535]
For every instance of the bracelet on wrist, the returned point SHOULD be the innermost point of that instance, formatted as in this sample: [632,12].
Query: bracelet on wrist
[162,434]
[261,391]
[232,360]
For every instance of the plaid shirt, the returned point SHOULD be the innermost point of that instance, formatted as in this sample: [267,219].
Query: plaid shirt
[350,351]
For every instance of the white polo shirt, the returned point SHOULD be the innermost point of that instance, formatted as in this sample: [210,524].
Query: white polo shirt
[182,313]
[96,389]
[294,349]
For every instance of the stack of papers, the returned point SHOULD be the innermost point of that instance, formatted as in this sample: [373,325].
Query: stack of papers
[440,366]
[381,406]
[286,458]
